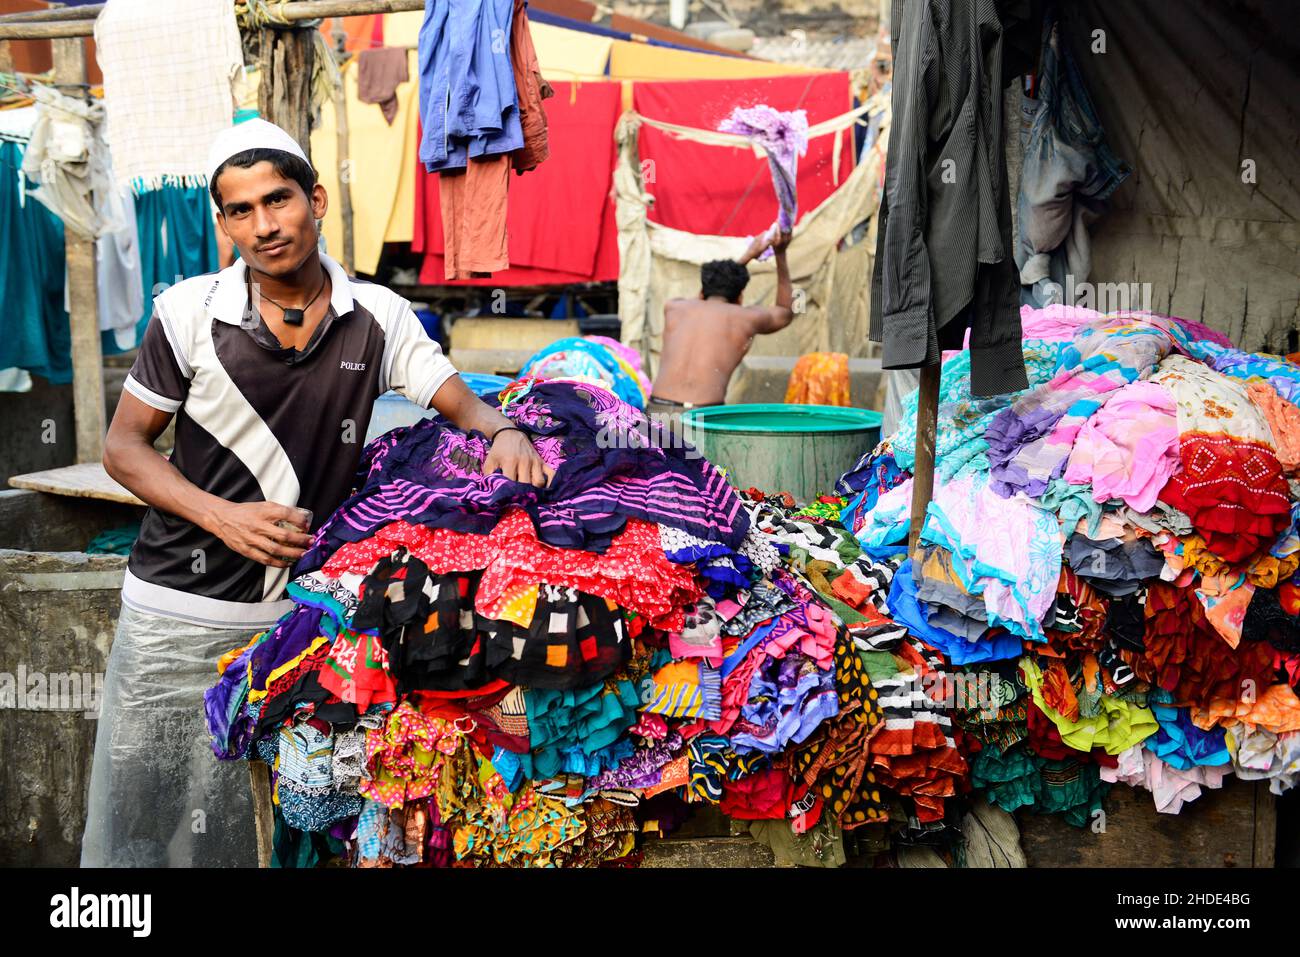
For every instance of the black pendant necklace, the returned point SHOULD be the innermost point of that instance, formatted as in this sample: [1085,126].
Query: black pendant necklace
[294,317]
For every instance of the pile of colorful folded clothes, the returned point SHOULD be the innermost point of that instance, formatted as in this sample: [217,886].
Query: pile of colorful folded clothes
[478,672]
[1115,551]
[481,673]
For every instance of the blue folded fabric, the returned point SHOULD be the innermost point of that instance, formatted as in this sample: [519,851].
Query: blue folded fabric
[907,611]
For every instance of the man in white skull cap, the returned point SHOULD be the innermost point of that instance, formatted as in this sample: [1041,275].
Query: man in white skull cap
[270,368]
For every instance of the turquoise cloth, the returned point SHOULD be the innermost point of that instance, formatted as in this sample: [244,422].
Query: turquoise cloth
[959,445]
[114,541]
[586,358]
[187,248]
[34,333]
[579,730]
[1180,743]
[1072,503]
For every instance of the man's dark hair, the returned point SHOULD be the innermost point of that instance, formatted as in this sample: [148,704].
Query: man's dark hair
[286,164]
[723,277]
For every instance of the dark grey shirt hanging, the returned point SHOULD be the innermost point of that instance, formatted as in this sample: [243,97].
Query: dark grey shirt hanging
[944,254]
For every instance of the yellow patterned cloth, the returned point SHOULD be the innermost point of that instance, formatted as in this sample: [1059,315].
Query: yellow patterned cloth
[534,828]
[403,757]
[1116,727]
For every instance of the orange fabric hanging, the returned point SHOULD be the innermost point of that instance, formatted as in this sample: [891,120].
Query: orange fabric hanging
[820,378]
[363,32]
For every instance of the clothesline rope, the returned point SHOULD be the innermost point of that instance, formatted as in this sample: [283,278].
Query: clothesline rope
[714,138]
[254,14]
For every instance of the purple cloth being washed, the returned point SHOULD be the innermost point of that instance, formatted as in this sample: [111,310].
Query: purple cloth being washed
[784,137]
[606,471]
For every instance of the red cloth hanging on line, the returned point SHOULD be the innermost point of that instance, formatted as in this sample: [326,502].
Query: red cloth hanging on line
[722,191]
[561,220]
[561,217]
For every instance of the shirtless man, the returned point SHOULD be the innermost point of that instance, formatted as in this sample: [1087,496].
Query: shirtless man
[706,338]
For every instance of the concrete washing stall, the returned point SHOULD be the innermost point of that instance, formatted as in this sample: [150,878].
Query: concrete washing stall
[58,612]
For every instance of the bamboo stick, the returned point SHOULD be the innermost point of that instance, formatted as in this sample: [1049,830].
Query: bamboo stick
[927,420]
[83,309]
[86,12]
[344,163]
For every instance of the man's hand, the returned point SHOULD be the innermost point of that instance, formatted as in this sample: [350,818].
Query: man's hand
[757,245]
[781,241]
[514,457]
[511,454]
[250,529]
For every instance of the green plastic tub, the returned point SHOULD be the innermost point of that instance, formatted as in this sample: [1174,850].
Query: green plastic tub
[801,449]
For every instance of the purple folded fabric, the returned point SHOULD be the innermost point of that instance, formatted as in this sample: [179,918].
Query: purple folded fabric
[1030,442]
[784,137]
[291,636]
[645,768]
[608,468]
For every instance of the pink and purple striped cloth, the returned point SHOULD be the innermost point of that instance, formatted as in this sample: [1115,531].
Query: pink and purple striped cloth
[606,471]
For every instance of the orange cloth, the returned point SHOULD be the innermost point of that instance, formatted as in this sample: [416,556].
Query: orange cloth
[1267,571]
[531,90]
[474,216]
[1283,421]
[820,378]
[1058,692]
[1275,709]
[475,201]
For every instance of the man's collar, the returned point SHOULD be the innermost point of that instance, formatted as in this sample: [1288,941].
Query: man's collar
[230,296]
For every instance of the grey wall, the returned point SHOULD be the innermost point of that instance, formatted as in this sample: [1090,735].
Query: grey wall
[1187,92]
[23,417]
[58,611]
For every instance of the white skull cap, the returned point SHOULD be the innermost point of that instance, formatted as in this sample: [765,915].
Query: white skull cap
[248,135]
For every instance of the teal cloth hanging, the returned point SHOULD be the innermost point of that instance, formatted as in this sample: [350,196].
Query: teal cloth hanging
[187,248]
[34,331]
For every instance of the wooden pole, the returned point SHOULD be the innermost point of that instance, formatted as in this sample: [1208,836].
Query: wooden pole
[46,31]
[284,96]
[927,421]
[293,12]
[83,310]
[85,12]
[1265,842]
[259,779]
[344,161]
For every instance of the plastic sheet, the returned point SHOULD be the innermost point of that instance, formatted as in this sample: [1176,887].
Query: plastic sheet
[158,796]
